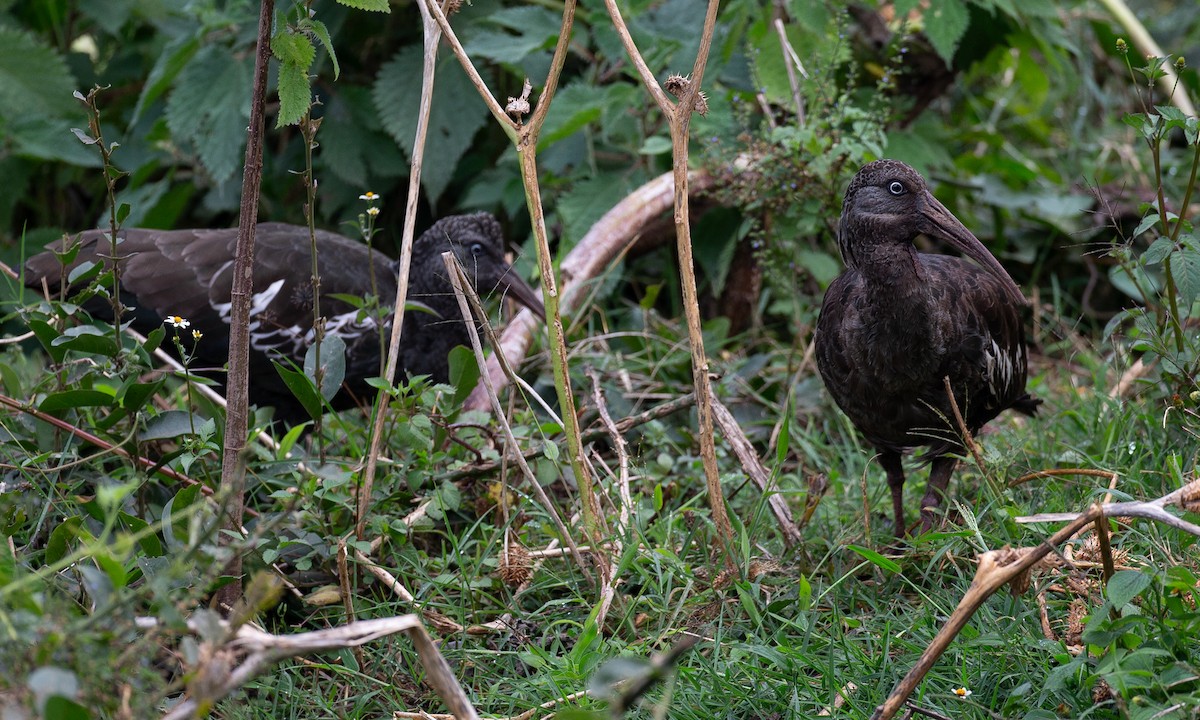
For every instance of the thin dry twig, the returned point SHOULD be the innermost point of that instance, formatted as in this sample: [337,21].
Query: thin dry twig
[679,116]
[1058,472]
[998,568]
[746,454]
[431,33]
[458,279]
[260,650]
[968,439]
[626,509]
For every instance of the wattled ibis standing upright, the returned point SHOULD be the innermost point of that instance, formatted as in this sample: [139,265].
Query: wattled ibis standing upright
[897,322]
[189,273]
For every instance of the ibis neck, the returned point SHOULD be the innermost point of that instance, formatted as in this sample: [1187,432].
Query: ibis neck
[892,271]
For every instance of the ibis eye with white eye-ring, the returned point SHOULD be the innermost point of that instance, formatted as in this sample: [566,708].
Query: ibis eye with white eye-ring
[896,187]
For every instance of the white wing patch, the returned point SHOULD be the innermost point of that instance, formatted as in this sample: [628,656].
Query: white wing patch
[1000,368]
[293,341]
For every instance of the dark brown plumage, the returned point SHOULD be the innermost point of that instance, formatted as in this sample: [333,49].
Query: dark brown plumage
[190,273]
[897,322]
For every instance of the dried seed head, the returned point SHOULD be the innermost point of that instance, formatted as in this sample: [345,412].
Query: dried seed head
[677,85]
[515,566]
[518,107]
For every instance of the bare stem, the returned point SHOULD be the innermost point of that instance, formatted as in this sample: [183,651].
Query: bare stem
[432,34]
[233,467]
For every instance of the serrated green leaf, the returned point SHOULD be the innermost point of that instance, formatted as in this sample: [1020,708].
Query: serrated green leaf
[945,23]
[1125,585]
[531,29]
[574,107]
[1185,265]
[295,94]
[1158,251]
[317,28]
[174,57]
[456,115]
[584,204]
[368,5]
[209,109]
[293,49]
[34,79]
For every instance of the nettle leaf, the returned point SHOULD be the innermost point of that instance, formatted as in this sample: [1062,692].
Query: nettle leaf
[209,108]
[1185,264]
[174,58]
[368,5]
[1158,251]
[295,94]
[456,115]
[574,108]
[34,79]
[318,29]
[533,29]
[293,49]
[945,23]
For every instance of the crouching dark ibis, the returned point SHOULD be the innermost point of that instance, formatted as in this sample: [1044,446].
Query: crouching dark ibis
[897,322]
[189,273]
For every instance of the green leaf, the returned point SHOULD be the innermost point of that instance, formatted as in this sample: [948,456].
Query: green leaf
[456,115]
[1158,251]
[302,387]
[655,145]
[295,94]
[69,399]
[53,687]
[464,373]
[368,5]
[293,49]
[148,542]
[1125,585]
[46,335]
[34,79]
[333,363]
[584,204]
[174,524]
[58,546]
[1185,265]
[883,563]
[174,57]
[209,108]
[88,339]
[133,394]
[532,29]
[317,28]
[574,108]
[169,424]
[945,23]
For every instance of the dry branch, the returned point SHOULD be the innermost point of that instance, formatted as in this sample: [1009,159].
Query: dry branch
[259,651]
[750,463]
[608,239]
[998,568]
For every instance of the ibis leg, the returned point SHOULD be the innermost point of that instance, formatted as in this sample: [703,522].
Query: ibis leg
[895,480]
[939,477]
